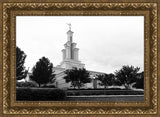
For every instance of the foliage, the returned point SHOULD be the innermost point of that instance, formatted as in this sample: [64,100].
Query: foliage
[116,82]
[21,73]
[42,72]
[25,84]
[117,88]
[77,77]
[127,75]
[49,86]
[103,92]
[105,79]
[140,81]
[40,94]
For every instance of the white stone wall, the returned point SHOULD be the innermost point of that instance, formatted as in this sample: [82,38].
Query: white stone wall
[63,54]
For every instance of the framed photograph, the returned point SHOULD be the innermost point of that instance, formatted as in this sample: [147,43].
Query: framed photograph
[79,58]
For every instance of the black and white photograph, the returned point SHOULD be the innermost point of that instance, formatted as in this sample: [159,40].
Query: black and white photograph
[79,58]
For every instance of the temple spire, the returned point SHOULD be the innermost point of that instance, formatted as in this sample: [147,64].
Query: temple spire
[70,53]
[69,33]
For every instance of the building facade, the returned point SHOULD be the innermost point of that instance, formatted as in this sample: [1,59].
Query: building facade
[70,55]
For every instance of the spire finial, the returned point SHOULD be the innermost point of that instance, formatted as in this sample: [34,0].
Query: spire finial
[69,24]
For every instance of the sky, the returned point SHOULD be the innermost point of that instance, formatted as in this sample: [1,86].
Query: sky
[105,43]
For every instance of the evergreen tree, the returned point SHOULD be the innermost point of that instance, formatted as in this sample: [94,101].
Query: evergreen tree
[21,72]
[42,72]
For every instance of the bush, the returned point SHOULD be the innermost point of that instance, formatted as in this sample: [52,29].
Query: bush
[138,85]
[49,86]
[103,92]
[100,89]
[39,94]
[25,84]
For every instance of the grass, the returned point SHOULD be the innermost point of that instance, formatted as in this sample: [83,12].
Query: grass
[103,92]
[107,98]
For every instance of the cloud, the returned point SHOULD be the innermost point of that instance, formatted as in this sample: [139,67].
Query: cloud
[105,42]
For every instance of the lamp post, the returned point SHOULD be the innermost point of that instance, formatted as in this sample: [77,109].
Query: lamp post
[94,82]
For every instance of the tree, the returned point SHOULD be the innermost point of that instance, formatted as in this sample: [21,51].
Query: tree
[116,82]
[42,72]
[106,79]
[77,77]
[21,72]
[127,75]
[140,81]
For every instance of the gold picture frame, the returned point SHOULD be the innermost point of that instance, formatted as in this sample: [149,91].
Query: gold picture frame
[10,9]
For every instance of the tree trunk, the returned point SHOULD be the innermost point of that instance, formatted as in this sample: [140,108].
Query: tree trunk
[78,87]
[39,85]
[126,86]
[79,90]
[79,83]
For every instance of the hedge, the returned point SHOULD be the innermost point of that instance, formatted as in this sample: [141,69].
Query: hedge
[25,84]
[99,89]
[39,94]
[103,92]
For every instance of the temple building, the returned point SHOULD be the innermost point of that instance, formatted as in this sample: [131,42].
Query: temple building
[70,55]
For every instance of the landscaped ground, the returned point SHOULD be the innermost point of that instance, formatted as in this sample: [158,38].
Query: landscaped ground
[105,95]
[106,98]
[54,94]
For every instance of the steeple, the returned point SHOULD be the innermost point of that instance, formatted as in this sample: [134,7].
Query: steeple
[70,53]
[70,36]
[69,33]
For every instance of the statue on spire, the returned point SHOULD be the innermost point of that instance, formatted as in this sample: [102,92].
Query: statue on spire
[69,24]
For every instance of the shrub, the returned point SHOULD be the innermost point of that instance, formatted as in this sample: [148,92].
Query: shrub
[23,94]
[103,92]
[25,84]
[99,89]
[49,86]
[39,94]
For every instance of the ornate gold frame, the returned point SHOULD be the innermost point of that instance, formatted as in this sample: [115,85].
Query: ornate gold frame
[10,9]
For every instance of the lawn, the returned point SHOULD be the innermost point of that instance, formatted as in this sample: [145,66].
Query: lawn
[106,98]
